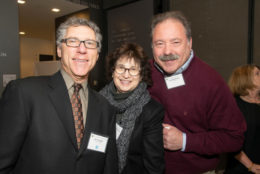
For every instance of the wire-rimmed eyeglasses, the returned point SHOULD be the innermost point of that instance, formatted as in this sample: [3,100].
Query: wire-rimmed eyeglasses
[74,42]
[133,71]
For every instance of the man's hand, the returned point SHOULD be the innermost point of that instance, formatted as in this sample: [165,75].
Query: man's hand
[172,137]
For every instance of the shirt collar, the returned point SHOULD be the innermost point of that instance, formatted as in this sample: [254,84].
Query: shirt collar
[69,81]
[185,65]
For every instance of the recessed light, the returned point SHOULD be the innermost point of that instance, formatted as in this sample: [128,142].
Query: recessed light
[55,10]
[22,33]
[21,1]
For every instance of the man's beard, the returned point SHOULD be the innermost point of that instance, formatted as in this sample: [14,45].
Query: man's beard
[169,57]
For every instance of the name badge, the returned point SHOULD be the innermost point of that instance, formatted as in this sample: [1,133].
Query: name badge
[97,143]
[174,81]
[118,130]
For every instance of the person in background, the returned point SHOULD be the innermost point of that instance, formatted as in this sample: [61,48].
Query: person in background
[202,119]
[139,117]
[57,124]
[244,83]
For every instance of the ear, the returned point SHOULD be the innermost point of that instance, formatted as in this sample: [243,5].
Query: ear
[141,79]
[190,43]
[59,51]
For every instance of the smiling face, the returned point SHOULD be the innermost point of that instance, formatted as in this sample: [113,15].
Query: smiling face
[170,40]
[79,61]
[126,82]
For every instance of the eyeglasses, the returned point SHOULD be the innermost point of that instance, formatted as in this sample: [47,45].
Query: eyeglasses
[132,71]
[73,42]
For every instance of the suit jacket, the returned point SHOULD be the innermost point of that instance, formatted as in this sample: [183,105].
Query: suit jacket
[146,153]
[37,134]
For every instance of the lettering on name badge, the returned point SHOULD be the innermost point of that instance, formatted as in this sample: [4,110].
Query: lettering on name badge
[174,81]
[97,143]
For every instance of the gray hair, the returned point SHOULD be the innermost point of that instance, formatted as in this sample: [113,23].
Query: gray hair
[75,21]
[175,15]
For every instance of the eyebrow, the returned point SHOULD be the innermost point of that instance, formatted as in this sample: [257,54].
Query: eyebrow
[130,67]
[80,39]
[171,40]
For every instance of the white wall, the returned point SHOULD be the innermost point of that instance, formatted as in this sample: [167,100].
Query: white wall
[30,49]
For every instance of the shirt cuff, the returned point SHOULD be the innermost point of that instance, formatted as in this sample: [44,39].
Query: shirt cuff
[183,142]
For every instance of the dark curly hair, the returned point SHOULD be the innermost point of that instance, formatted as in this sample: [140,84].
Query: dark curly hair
[130,50]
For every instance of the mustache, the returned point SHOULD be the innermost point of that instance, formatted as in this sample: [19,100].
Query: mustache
[169,57]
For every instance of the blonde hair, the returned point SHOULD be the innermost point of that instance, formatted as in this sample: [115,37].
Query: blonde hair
[241,80]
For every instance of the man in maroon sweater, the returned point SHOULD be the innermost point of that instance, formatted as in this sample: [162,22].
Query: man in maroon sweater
[202,119]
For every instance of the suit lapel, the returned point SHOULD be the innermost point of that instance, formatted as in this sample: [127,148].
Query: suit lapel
[61,101]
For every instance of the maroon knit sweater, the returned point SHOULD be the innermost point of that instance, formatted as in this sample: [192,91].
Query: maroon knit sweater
[206,111]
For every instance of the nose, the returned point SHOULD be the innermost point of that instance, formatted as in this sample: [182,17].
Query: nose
[167,49]
[82,49]
[126,73]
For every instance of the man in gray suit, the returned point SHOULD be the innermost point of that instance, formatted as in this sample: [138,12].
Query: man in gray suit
[38,126]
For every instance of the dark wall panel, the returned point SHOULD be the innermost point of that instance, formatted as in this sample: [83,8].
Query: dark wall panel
[219,31]
[130,23]
[256,57]
[113,3]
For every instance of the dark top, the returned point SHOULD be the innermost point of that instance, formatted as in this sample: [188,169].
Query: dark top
[37,132]
[145,154]
[251,145]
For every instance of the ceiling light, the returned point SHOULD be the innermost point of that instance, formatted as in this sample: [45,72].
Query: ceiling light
[55,10]
[21,1]
[22,33]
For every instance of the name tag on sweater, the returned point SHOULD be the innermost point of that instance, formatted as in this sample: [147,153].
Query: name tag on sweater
[174,81]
